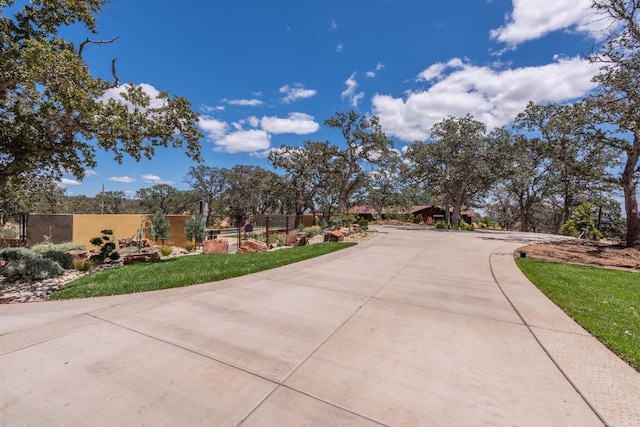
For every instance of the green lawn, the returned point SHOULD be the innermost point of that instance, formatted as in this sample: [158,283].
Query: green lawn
[186,270]
[605,302]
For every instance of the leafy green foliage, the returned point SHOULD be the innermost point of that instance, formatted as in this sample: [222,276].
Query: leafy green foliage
[64,259]
[160,230]
[604,302]
[462,162]
[15,254]
[195,230]
[312,231]
[105,245]
[364,224]
[34,268]
[54,114]
[582,223]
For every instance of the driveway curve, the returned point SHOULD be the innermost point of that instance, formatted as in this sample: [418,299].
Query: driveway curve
[414,327]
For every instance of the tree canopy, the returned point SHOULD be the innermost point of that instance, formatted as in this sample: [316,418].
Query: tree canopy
[54,114]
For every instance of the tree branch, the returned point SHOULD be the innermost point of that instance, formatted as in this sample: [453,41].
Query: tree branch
[88,40]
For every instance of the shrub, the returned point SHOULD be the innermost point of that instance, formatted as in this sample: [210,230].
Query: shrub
[582,223]
[114,256]
[195,229]
[15,254]
[364,224]
[64,259]
[32,269]
[62,247]
[466,227]
[8,233]
[82,264]
[441,225]
[105,244]
[312,231]
[160,230]
[165,251]
[189,246]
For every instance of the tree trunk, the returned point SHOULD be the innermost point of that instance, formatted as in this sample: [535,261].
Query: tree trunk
[630,198]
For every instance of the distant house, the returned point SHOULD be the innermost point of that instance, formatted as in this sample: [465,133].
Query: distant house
[432,211]
[437,213]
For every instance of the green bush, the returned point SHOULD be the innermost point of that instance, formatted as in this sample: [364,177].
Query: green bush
[114,256]
[189,246]
[165,251]
[32,269]
[15,254]
[442,225]
[63,258]
[465,227]
[312,231]
[63,247]
[82,264]
[364,224]
[8,233]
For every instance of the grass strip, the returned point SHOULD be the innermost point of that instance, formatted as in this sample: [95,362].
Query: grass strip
[605,302]
[186,270]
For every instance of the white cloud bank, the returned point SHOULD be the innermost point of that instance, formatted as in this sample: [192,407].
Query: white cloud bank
[532,19]
[154,179]
[296,92]
[124,179]
[296,123]
[244,141]
[492,96]
[236,139]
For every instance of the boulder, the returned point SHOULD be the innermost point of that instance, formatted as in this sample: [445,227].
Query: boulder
[334,236]
[215,246]
[144,257]
[252,245]
[296,239]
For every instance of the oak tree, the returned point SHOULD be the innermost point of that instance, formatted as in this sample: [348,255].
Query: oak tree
[55,115]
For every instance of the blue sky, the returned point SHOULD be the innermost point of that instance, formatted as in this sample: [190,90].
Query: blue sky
[266,73]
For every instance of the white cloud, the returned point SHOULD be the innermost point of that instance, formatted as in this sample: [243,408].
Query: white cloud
[154,179]
[296,92]
[244,102]
[531,20]
[212,128]
[209,109]
[66,182]
[253,121]
[124,179]
[333,25]
[339,47]
[492,96]
[90,172]
[372,73]
[350,92]
[244,141]
[117,92]
[298,123]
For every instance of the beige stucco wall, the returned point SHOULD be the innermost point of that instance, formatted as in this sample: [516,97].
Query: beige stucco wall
[86,227]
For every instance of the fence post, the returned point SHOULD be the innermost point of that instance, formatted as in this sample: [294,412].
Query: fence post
[267,230]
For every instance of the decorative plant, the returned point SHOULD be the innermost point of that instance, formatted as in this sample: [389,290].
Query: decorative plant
[105,245]
[160,230]
[195,230]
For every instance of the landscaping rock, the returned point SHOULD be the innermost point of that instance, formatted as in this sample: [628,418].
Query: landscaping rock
[215,246]
[334,236]
[252,245]
[134,258]
[296,239]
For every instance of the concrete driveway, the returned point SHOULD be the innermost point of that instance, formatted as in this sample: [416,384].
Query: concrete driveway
[415,327]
